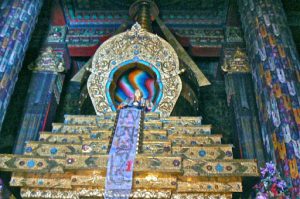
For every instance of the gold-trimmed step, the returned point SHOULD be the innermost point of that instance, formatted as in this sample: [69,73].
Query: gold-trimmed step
[62,137]
[103,125]
[94,119]
[43,149]
[31,164]
[90,146]
[140,181]
[205,152]
[219,167]
[189,130]
[194,140]
[79,163]
[93,193]
[69,137]
[89,179]
[143,163]
[170,122]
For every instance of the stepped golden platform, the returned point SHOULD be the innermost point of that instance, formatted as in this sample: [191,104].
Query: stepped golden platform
[177,158]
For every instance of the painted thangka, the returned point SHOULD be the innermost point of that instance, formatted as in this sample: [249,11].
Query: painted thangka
[122,154]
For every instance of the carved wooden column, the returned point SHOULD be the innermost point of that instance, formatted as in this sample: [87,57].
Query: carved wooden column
[42,98]
[275,71]
[240,96]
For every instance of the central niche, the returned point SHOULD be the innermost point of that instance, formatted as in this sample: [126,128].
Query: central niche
[131,77]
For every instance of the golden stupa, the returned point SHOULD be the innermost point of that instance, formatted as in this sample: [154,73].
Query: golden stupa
[178,157]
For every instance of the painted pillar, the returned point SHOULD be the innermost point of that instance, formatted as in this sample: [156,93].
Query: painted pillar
[17,21]
[275,72]
[42,98]
[240,97]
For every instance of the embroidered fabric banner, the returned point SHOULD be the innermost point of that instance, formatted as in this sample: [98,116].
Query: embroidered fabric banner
[122,154]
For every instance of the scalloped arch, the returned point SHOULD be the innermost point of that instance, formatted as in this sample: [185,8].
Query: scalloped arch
[135,46]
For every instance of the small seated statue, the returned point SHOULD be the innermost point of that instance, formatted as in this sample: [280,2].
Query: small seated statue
[137,101]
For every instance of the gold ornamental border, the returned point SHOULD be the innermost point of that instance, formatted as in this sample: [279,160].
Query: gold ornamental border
[135,46]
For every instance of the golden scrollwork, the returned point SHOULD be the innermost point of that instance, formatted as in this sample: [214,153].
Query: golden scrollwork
[135,46]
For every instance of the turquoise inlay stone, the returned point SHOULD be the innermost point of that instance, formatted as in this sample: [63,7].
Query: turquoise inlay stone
[158,64]
[136,52]
[40,182]
[202,153]
[209,187]
[219,167]
[113,62]
[30,163]
[53,151]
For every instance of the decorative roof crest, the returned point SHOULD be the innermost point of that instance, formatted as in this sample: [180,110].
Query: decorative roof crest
[238,63]
[48,60]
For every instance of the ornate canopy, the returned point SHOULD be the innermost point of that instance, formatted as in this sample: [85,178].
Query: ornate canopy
[135,46]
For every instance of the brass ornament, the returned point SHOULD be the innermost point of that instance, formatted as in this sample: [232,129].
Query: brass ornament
[135,46]
[238,63]
[49,61]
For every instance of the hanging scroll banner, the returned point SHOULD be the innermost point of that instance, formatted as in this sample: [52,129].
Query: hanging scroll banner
[122,154]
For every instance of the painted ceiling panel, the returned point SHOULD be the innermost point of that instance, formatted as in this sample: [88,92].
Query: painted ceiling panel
[176,12]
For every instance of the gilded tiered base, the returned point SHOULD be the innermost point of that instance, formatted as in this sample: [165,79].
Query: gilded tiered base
[178,158]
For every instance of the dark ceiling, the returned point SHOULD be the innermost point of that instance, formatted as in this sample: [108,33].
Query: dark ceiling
[292,9]
[162,4]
